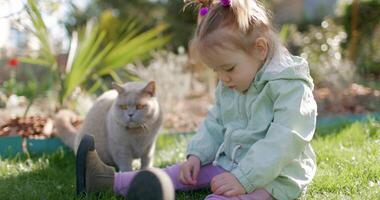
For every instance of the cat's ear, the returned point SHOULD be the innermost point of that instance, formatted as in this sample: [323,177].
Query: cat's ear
[118,88]
[150,89]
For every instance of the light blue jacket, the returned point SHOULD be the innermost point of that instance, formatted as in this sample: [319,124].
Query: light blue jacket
[263,136]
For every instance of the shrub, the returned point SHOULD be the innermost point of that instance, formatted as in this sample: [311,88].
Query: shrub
[363,40]
[321,46]
[168,70]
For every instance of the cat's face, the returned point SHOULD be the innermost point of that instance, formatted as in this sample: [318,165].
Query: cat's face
[136,104]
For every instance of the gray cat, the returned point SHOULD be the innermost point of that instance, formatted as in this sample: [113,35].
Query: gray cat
[124,121]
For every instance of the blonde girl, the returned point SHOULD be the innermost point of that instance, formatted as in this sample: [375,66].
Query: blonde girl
[255,141]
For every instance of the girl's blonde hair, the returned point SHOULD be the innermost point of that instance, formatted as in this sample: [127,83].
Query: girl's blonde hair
[234,26]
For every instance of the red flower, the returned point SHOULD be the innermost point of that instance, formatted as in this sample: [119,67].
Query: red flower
[13,62]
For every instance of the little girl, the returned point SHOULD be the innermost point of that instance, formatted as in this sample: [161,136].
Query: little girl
[255,141]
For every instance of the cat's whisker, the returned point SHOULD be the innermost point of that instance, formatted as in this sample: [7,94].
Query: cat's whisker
[145,129]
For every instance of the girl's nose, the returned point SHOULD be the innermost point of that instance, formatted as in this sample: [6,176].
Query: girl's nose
[224,77]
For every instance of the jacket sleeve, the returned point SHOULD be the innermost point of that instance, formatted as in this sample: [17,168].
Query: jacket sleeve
[292,129]
[209,135]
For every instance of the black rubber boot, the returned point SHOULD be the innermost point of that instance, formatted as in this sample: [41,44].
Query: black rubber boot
[92,175]
[151,184]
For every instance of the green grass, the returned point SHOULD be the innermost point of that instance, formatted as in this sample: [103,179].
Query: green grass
[348,167]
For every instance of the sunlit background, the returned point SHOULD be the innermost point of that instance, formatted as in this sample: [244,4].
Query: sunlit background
[75,50]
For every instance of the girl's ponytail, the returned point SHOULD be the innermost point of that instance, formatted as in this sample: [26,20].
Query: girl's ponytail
[249,12]
[246,12]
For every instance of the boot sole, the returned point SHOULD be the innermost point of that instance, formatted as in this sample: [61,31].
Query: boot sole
[151,184]
[86,144]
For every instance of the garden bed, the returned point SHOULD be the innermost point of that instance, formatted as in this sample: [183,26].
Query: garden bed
[34,134]
[14,144]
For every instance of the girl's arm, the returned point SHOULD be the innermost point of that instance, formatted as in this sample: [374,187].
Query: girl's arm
[288,135]
[209,136]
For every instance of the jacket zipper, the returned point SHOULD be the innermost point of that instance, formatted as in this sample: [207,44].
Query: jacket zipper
[241,115]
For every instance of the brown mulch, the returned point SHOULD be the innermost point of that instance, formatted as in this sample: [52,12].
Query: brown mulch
[36,127]
[355,99]
[189,113]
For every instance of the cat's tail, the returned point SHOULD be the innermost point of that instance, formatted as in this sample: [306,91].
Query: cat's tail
[64,128]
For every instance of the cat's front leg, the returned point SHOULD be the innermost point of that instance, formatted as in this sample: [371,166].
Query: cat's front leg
[147,158]
[146,161]
[124,164]
[121,156]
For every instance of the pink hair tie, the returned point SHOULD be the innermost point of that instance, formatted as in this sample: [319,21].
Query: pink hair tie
[203,11]
[225,3]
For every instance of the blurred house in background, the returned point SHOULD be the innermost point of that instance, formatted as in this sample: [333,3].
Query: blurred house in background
[16,37]
[12,39]
[15,40]
[297,11]
[4,33]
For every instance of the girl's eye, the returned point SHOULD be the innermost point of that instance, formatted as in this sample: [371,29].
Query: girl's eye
[140,106]
[123,107]
[230,69]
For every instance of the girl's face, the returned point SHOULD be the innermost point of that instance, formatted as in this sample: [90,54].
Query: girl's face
[236,68]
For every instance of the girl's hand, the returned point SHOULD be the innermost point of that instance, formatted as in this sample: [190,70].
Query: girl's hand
[188,172]
[226,184]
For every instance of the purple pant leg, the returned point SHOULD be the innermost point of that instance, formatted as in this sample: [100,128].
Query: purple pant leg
[206,173]
[122,181]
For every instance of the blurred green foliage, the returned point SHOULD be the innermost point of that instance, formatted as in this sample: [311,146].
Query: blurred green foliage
[336,56]
[182,24]
[146,12]
[367,50]
[96,50]
[32,86]
[322,47]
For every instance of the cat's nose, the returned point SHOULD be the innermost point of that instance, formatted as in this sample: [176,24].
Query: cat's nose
[130,115]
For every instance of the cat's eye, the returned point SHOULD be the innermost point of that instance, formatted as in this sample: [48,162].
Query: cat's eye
[123,107]
[140,106]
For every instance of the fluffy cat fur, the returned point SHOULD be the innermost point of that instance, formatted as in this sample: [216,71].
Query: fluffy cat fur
[124,121]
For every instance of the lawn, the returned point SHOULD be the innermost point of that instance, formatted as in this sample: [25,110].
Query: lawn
[348,167]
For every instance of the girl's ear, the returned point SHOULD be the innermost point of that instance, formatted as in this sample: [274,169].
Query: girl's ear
[118,87]
[261,47]
[150,88]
